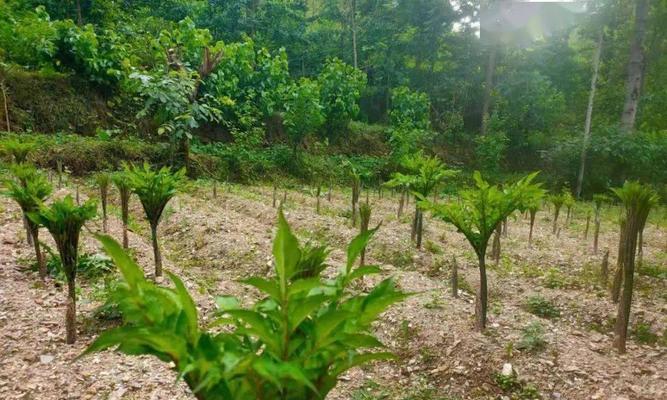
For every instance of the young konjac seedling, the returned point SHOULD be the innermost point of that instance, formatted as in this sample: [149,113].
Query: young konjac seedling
[557,200]
[424,176]
[29,193]
[637,202]
[477,214]
[119,180]
[294,343]
[64,219]
[154,188]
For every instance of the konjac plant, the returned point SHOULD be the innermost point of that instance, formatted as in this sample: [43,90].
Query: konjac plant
[119,180]
[557,200]
[154,187]
[18,149]
[64,220]
[637,201]
[103,179]
[29,194]
[293,343]
[424,176]
[477,214]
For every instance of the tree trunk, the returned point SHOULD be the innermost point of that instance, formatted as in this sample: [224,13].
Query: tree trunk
[413,232]
[4,101]
[640,248]
[103,197]
[319,190]
[38,251]
[70,312]
[215,189]
[401,203]
[275,195]
[618,278]
[454,280]
[481,298]
[78,199]
[632,227]
[156,252]
[495,250]
[79,15]
[505,228]
[125,214]
[596,234]
[588,223]
[28,232]
[604,270]
[329,194]
[488,87]
[589,114]
[284,201]
[532,225]
[635,67]
[185,153]
[420,228]
[353,23]
[556,212]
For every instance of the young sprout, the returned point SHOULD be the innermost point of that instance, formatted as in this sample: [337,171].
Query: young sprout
[477,214]
[102,179]
[154,188]
[64,220]
[29,194]
[22,173]
[637,200]
[119,180]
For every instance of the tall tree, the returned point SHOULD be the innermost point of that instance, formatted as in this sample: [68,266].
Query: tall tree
[635,73]
[589,112]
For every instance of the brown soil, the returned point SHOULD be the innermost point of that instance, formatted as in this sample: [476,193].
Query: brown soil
[212,243]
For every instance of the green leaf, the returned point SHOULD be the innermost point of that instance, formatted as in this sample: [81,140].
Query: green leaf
[286,253]
[356,246]
[132,273]
[303,309]
[189,308]
[267,286]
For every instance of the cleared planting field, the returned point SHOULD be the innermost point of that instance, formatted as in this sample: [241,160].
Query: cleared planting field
[550,316]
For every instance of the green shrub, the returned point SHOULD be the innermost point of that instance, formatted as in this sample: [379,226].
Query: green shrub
[293,343]
[532,338]
[643,334]
[89,266]
[554,279]
[542,307]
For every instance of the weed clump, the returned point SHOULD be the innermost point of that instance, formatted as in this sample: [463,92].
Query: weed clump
[538,305]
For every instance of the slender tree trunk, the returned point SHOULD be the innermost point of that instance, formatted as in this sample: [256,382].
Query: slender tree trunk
[156,252]
[635,67]
[413,233]
[556,212]
[275,195]
[78,199]
[596,234]
[568,216]
[588,223]
[401,203]
[640,248]
[632,227]
[420,228]
[604,270]
[532,225]
[125,214]
[488,86]
[319,190]
[215,189]
[329,193]
[28,231]
[70,312]
[618,278]
[482,295]
[79,15]
[589,114]
[353,23]
[505,232]
[495,250]
[38,251]
[4,101]
[59,168]
[284,201]
[454,280]
[103,198]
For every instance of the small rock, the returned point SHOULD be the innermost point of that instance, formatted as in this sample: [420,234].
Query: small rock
[46,358]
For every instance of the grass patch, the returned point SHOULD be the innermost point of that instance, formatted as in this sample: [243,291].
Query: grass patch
[532,338]
[538,305]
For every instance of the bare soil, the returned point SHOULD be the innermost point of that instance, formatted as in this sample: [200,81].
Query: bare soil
[214,242]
